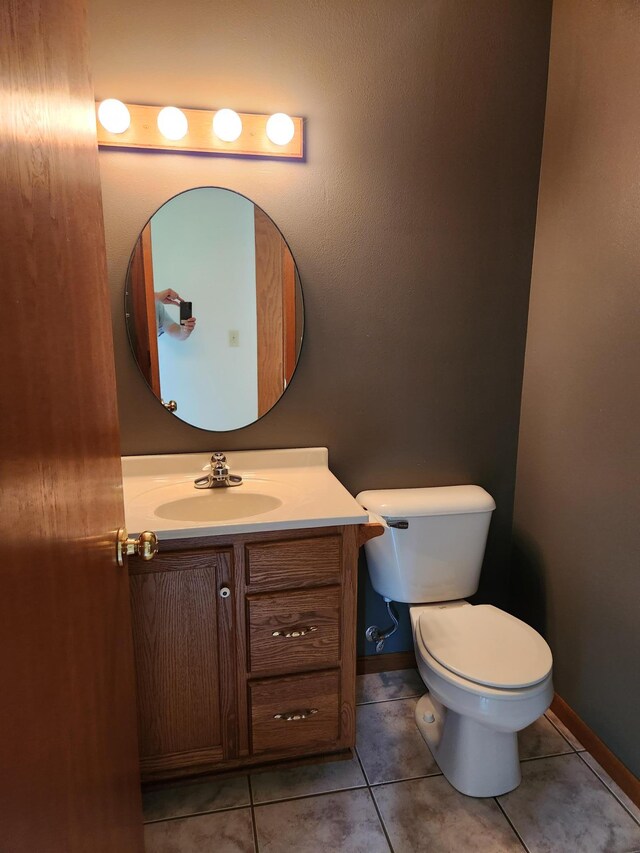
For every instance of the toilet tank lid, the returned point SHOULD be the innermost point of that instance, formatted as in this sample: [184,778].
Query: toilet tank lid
[441,500]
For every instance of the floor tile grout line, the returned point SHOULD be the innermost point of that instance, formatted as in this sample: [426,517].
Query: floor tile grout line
[610,790]
[406,779]
[393,699]
[383,826]
[362,767]
[548,755]
[309,796]
[196,814]
[574,748]
[392,781]
[373,800]
[253,815]
[511,824]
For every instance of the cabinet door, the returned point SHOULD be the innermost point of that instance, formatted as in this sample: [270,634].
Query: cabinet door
[183,631]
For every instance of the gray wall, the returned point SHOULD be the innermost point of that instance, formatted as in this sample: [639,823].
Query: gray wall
[578,485]
[411,220]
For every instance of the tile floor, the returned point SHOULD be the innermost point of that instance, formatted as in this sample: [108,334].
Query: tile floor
[392,797]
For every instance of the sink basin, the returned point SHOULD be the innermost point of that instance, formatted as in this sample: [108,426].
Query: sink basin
[218,505]
[180,503]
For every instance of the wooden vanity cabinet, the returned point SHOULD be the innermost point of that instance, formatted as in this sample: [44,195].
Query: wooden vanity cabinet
[245,649]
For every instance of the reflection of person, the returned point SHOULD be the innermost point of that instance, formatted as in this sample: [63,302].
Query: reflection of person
[164,322]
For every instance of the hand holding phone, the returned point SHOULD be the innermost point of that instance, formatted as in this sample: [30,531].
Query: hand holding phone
[185,312]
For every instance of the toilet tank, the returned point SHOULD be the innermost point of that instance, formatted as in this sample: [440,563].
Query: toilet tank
[438,554]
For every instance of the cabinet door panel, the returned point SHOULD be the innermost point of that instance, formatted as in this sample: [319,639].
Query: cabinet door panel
[178,632]
[293,631]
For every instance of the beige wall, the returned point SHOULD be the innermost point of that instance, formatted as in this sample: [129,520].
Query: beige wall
[411,220]
[578,485]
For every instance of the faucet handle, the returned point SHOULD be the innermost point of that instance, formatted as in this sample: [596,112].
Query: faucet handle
[219,467]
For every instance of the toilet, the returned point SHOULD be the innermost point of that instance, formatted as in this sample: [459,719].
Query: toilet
[487,673]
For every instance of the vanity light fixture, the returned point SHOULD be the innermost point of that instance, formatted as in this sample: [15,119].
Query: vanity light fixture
[280,129]
[227,125]
[203,131]
[172,123]
[114,115]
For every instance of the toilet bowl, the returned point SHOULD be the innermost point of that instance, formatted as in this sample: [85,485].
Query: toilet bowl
[488,674]
[469,725]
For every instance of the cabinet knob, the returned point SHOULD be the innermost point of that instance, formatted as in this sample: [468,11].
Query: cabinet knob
[225,592]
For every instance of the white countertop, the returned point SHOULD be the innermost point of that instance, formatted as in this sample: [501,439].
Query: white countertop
[298,479]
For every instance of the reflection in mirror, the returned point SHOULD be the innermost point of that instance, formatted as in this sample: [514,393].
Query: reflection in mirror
[214,308]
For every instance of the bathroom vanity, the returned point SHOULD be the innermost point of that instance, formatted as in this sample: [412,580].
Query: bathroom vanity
[244,626]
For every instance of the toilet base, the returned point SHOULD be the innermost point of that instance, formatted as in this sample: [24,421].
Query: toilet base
[476,760]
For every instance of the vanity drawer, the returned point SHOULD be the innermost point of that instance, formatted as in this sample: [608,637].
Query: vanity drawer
[294,563]
[301,712]
[293,631]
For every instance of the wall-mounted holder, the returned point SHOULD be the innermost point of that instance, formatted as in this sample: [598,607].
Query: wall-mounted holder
[141,130]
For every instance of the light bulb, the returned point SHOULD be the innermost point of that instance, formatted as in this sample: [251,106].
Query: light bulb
[280,129]
[114,115]
[227,125]
[172,123]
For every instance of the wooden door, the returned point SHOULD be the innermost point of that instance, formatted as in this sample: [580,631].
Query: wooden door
[68,750]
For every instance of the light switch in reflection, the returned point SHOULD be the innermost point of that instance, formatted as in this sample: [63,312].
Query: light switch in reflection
[234,338]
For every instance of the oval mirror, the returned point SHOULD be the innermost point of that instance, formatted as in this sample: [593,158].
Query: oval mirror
[214,308]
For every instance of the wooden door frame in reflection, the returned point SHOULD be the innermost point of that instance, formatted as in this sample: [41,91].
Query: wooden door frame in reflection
[143,301]
[276,312]
[289,313]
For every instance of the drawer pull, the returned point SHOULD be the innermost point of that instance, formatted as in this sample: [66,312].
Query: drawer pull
[295,632]
[296,715]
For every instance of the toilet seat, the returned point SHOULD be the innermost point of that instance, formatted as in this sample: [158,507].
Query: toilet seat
[486,646]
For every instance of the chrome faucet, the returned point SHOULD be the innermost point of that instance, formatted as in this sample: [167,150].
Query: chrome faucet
[218,476]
